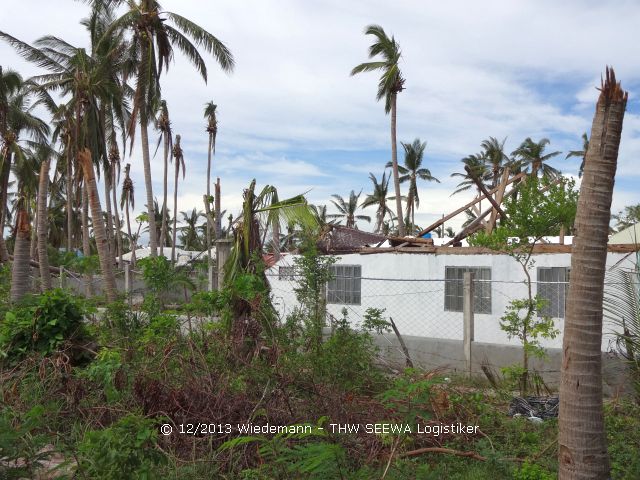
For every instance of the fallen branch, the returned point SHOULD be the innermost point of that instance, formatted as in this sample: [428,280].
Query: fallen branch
[458,453]
[405,350]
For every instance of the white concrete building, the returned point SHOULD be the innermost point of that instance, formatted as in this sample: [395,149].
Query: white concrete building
[421,287]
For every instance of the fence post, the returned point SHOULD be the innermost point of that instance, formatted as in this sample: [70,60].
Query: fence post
[467,314]
[211,277]
[62,278]
[127,281]
[223,250]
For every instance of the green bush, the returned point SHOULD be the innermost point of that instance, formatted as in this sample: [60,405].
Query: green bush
[127,449]
[42,323]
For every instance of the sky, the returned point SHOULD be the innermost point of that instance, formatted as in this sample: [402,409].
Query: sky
[290,115]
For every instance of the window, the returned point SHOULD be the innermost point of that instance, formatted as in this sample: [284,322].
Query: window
[345,286]
[453,289]
[552,286]
[287,273]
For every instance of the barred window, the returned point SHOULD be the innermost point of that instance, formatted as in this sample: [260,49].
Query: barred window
[346,285]
[286,273]
[553,283]
[453,289]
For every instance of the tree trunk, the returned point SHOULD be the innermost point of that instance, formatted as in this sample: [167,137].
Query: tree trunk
[163,229]
[207,202]
[175,210]
[132,242]
[394,162]
[582,439]
[21,270]
[218,211]
[109,226]
[106,261]
[116,215]
[33,248]
[144,136]
[43,226]
[69,202]
[4,184]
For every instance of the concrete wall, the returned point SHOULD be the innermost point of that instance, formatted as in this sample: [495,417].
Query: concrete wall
[417,307]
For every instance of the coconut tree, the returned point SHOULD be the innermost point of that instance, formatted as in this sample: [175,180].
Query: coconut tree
[178,156]
[154,34]
[582,442]
[391,83]
[533,157]
[494,156]
[582,154]
[212,130]
[411,172]
[163,124]
[378,199]
[189,237]
[127,201]
[347,209]
[43,228]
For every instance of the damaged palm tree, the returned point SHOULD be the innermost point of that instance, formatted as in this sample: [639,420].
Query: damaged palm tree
[244,270]
[582,438]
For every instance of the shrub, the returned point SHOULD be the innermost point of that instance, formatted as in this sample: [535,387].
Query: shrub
[42,323]
[127,449]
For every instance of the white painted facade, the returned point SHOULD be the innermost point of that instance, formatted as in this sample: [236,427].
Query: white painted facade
[418,307]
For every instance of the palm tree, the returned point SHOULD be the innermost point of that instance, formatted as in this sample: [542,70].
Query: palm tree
[582,441]
[391,83]
[411,172]
[189,237]
[477,170]
[532,155]
[493,154]
[582,154]
[348,209]
[377,198]
[212,130]
[127,200]
[178,156]
[21,269]
[154,33]
[43,228]
[164,126]
[102,245]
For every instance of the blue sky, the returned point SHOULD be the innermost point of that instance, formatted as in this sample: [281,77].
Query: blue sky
[290,114]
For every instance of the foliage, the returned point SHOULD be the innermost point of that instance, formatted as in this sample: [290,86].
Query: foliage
[531,472]
[42,323]
[127,449]
[373,321]
[410,396]
[627,217]
[306,452]
[526,323]
[103,370]
[161,277]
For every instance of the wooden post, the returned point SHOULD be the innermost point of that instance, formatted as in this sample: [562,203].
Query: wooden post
[211,279]
[499,195]
[218,220]
[467,315]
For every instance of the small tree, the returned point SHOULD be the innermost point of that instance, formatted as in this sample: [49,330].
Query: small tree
[541,208]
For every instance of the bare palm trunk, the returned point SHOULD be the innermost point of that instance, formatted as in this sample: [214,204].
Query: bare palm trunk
[106,260]
[86,246]
[163,229]
[116,215]
[394,163]
[132,242]
[43,227]
[109,226]
[69,202]
[582,439]
[6,170]
[21,269]
[175,210]
[207,202]
[144,136]
[33,248]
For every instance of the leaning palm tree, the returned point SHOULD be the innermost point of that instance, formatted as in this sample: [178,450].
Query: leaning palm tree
[582,154]
[348,209]
[582,441]
[411,172]
[378,198]
[212,130]
[154,33]
[127,200]
[532,155]
[391,83]
[178,156]
[106,260]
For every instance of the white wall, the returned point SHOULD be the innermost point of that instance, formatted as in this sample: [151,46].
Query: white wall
[418,307]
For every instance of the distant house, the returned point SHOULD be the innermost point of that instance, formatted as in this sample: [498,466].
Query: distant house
[420,285]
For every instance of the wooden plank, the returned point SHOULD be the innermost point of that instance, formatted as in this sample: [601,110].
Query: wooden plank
[482,188]
[468,205]
[499,195]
